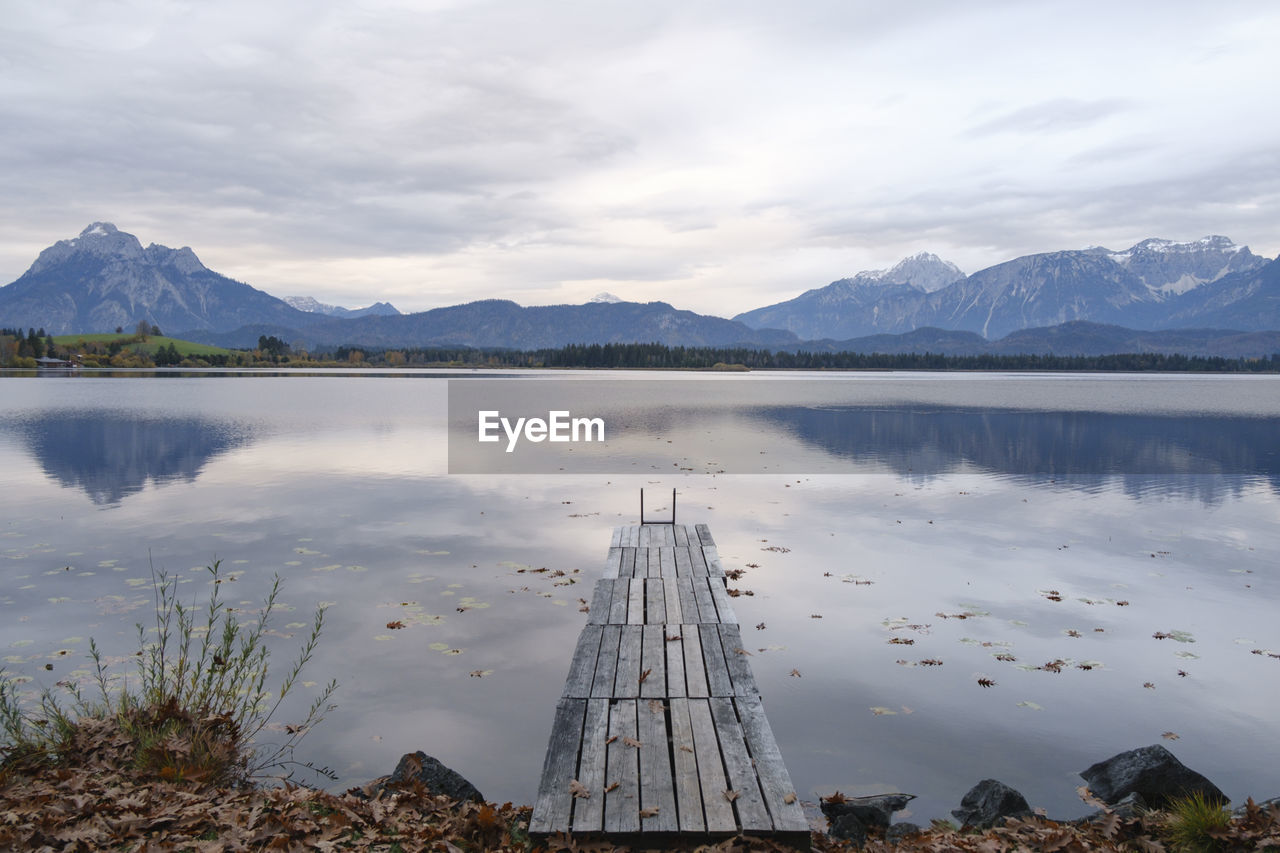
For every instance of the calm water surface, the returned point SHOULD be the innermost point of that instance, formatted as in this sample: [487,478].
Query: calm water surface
[896,505]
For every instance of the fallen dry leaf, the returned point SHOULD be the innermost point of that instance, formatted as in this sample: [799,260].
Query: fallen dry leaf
[630,741]
[613,786]
[789,799]
[579,790]
[395,625]
[731,795]
[649,812]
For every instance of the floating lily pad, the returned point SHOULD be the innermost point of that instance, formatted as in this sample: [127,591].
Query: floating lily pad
[333,567]
[881,711]
[1032,706]
[438,647]
[1187,655]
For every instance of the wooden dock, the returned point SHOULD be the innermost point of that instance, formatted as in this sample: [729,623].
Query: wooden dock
[660,732]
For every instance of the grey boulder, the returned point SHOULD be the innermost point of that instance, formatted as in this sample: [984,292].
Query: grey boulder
[1152,772]
[989,802]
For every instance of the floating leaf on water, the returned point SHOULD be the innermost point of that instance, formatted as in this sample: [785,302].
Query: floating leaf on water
[447,592]
[453,651]
[102,564]
[330,568]
[1187,655]
[296,625]
[881,711]
[1017,623]
[438,647]
[356,569]
[970,641]
[59,599]
[1181,636]
[28,586]
[382,638]
[1031,706]
[1241,641]
[1170,736]
[428,552]
[308,684]
[307,552]
[559,602]
[481,673]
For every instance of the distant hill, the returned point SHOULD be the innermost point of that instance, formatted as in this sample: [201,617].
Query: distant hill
[104,278]
[1077,337]
[503,324]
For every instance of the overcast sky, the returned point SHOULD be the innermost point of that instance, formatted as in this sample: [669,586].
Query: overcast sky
[716,155]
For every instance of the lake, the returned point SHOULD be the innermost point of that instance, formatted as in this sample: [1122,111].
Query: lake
[886,521]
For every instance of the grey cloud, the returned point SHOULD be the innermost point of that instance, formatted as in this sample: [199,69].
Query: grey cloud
[1052,116]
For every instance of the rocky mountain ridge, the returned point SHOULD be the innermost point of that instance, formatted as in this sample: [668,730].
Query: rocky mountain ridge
[1153,284]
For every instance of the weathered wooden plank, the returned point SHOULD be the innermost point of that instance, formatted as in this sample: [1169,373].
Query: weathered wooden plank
[627,566]
[718,681]
[712,558]
[646,536]
[554,803]
[612,563]
[616,540]
[606,661]
[752,814]
[684,564]
[685,768]
[674,643]
[688,604]
[720,595]
[681,535]
[695,669]
[735,655]
[698,560]
[588,813]
[635,602]
[582,668]
[704,534]
[626,683]
[669,535]
[601,598]
[653,660]
[671,598]
[618,602]
[631,537]
[775,781]
[657,790]
[667,557]
[706,604]
[622,804]
[655,602]
[706,746]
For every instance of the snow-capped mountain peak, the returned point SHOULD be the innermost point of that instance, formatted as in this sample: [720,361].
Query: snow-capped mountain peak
[923,270]
[605,297]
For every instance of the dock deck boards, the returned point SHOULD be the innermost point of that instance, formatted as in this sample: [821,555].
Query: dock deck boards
[660,720]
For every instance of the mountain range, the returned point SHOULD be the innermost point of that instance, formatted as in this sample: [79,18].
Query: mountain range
[1220,297]
[1152,285]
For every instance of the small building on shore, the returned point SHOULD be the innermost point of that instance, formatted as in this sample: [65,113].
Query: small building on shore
[47,363]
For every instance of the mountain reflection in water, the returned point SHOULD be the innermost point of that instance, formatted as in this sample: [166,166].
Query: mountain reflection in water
[1077,447]
[111,455]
